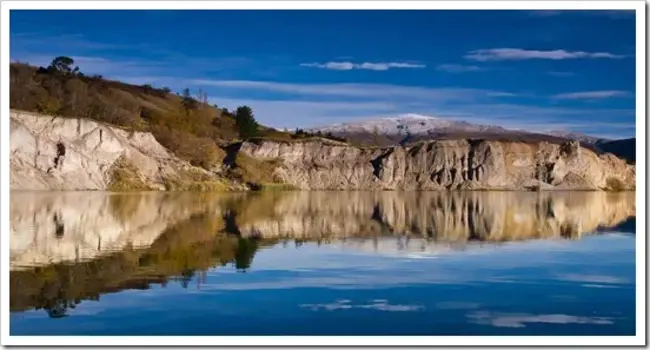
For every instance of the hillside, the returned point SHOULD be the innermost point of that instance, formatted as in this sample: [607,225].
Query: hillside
[183,122]
[74,132]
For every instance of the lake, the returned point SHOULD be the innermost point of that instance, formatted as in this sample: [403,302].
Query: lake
[322,263]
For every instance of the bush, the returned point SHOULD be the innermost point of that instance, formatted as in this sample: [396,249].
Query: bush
[614,184]
[125,177]
[202,152]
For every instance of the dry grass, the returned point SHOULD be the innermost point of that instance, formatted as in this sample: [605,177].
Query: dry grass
[255,171]
[125,177]
[195,181]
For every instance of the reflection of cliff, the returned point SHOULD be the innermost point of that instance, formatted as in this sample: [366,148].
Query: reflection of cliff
[52,227]
[69,247]
[181,252]
[449,217]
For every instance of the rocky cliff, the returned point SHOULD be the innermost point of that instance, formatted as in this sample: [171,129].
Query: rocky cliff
[444,165]
[77,154]
[49,153]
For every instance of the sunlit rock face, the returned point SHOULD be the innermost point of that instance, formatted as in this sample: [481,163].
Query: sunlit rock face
[52,153]
[444,165]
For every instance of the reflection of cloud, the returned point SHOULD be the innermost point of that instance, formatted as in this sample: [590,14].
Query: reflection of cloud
[456,305]
[598,286]
[596,279]
[377,304]
[519,320]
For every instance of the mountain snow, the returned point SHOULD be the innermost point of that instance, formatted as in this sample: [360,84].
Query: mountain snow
[414,124]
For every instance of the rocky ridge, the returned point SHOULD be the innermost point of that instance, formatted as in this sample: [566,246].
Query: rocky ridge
[444,165]
[77,154]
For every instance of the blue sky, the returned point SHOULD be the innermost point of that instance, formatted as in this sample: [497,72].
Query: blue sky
[537,70]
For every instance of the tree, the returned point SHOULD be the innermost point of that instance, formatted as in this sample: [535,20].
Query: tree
[202,97]
[189,103]
[63,64]
[246,122]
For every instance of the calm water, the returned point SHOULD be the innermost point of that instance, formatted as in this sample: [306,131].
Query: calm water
[339,263]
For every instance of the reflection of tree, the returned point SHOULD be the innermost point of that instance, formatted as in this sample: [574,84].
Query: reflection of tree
[59,308]
[245,252]
[179,253]
[186,277]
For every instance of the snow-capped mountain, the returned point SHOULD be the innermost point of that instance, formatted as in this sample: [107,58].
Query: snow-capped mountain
[413,124]
[416,127]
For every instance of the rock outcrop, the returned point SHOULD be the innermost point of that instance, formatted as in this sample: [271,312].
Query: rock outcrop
[444,165]
[78,154]
[49,153]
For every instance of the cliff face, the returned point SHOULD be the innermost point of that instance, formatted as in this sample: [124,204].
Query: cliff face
[448,164]
[50,153]
[77,154]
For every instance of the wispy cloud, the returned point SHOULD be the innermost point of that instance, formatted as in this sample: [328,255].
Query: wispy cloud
[458,68]
[346,65]
[560,74]
[281,104]
[590,95]
[357,90]
[514,320]
[513,54]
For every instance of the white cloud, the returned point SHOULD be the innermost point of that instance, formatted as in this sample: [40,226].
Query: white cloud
[514,320]
[458,68]
[345,65]
[511,54]
[590,95]
[330,65]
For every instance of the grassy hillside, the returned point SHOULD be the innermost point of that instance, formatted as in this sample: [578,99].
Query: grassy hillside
[183,122]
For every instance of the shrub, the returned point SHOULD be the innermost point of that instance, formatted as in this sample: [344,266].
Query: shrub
[124,177]
[198,151]
[614,184]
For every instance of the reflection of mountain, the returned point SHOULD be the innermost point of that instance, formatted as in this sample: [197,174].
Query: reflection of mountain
[69,247]
[440,216]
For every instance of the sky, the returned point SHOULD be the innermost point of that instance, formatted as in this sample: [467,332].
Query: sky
[536,70]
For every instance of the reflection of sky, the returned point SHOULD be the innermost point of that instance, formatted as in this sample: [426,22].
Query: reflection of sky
[535,287]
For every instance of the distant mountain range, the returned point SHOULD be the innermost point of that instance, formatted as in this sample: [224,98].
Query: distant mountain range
[408,128]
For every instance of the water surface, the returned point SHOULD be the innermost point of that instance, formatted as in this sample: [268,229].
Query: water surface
[323,263]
